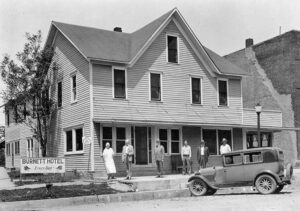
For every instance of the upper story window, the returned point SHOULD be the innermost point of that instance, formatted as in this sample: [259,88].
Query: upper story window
[223,92]
[119,77]
[196,90]
[172,42]
[155,83]
[59,94]
[74,140]
[74,88]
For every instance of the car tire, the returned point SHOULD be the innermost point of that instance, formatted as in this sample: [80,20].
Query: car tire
[211,191]
[265,184]
[198,187]
[279,188]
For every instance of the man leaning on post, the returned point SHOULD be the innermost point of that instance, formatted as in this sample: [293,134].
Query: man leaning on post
[159,154]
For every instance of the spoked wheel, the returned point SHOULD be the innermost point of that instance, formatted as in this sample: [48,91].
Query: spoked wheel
[279,188]
[211,191]
[198,187]
[265,184]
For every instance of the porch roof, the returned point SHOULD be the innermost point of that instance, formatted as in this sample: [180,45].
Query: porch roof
[166,123]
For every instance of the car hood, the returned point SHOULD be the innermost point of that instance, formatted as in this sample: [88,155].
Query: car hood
[207,171]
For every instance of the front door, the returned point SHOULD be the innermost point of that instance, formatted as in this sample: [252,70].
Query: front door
[12,155]
[141,149]
[234,169]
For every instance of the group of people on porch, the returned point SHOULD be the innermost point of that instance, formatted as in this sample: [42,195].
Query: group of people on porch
[159,153]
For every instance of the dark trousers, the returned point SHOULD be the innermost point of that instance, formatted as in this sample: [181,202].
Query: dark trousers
[159,166]
[128,166]
[202,164]
[186,164]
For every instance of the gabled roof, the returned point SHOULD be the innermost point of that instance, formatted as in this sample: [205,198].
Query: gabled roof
[126,48]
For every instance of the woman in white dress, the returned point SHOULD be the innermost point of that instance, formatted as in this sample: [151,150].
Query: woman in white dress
[108,154]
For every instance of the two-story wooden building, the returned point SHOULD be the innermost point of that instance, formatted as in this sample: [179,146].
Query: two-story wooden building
[158,82]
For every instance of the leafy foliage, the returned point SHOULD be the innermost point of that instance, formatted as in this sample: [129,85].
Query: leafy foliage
[27,87]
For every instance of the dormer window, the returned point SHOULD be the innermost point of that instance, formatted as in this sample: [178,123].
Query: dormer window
[172,42]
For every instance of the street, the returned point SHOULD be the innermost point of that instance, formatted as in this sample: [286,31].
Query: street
[287,200]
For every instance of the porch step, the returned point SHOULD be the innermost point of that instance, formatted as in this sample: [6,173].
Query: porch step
[151,183]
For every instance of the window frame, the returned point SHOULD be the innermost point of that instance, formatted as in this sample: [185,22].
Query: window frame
[233,164]
[161,86]
[218,91]
[72,88]
[115,129]
[17,147]
[169,139]
[113,83]
[74,151]
[201,89]
[57,94]
[167,47]
[179,141]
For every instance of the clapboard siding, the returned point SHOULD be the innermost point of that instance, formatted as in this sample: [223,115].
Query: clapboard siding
[267,118]
[70,61]
[176,105]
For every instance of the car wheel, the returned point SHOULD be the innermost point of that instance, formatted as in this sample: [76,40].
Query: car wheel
[279,188]
[198,187]
[265,184]
[211,191]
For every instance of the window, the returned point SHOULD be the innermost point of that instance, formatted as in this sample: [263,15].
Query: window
[222,92]
[155,81]
[163,137]
[175,141]
[210,138]
[17,147]
[253,157]
[106,136]
[59,94]
[233,159]
[7,117]
[224,134]
[196,90]
[149,145]
[79,144]
[74,140]
[120,141]
[119,83]
[172,49]
[30,147]
[253,142]
[74,91]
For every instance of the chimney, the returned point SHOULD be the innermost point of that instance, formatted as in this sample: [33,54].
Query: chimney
[249,42]
[118,29]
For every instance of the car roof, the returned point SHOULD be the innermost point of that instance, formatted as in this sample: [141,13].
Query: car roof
[254,150]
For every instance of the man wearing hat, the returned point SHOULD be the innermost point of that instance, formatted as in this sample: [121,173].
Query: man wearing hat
[202,155]
[225,148]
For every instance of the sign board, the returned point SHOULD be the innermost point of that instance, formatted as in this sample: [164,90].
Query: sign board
[42,165]
[86,140]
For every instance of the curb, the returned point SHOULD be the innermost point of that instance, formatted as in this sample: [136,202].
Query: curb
[120,197]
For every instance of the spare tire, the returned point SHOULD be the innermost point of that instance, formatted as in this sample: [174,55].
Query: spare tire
[289,171]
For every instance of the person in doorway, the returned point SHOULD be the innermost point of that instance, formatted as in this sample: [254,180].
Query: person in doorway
[202,155]
[186,155]
[109,163]
[159,154]
[127,157]
[225,148]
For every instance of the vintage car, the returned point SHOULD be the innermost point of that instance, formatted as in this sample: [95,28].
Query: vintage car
[262,168]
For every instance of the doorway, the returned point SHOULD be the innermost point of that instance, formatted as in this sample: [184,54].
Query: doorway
[142,137]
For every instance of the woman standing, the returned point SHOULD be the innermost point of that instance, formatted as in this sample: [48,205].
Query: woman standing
[108,154]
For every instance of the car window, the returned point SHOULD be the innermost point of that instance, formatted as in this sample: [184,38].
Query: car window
[253,157]
[269,156]
[233,159]
[281,155]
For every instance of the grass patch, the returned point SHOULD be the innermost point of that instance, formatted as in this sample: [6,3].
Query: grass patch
[56,192]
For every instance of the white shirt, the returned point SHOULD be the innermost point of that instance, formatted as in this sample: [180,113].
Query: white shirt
[224,149]
[202,151]
[186,150]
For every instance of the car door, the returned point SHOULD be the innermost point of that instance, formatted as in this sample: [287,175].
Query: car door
[233,169]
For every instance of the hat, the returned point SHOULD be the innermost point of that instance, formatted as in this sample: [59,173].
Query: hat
[224,140]
[202,142]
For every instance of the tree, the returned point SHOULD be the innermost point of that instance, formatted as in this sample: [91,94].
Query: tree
[27,87]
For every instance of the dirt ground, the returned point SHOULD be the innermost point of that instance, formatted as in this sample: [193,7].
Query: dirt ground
[287,200]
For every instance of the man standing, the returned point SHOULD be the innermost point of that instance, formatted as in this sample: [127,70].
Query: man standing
[186,154]
[225,148]
[159,154]
[202,155]
[127,155]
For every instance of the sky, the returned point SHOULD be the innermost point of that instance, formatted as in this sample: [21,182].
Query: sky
[221,25]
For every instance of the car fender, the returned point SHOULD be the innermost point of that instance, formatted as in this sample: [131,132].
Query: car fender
[275,176]
[204,179]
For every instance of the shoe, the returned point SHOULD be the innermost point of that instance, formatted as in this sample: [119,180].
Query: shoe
[127,178]
[158,176]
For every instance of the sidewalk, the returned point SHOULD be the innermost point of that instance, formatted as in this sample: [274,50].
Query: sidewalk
[5,182]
